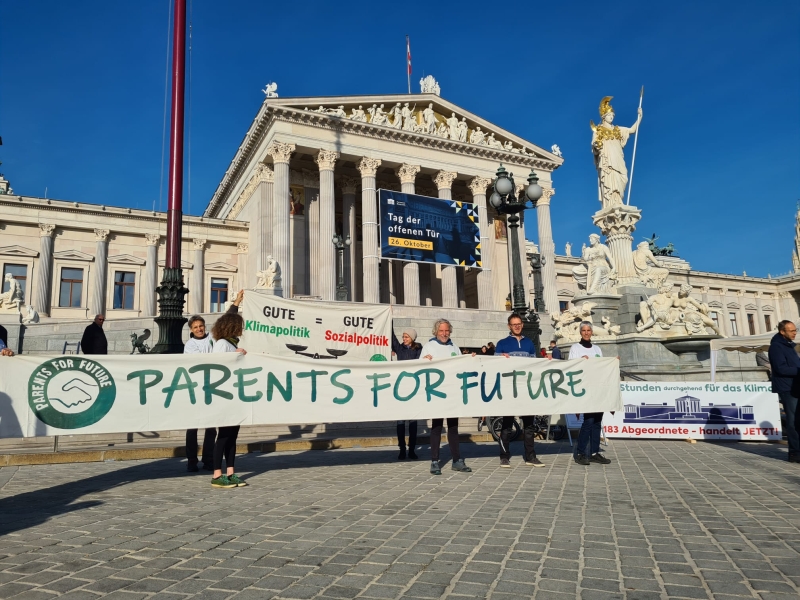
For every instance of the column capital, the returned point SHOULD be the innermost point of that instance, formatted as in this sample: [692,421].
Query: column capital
[369,166]
[152,239]
[740,293]
[758,293]
[310,178]
[704,289]
[101,235]
[264,173]
[326,159]
[46,229]
[199,244]
[349,185]
[478,185]
[408,173]
[280,152]
[242,248]
[547,194]
[723,291]
[444,179]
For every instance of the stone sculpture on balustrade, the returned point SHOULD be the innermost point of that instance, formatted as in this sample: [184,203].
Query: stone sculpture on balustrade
[269,278]
[597,274]
[566,325]
[670,315]
[429,85]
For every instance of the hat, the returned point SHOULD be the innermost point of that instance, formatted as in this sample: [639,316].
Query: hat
[412,333]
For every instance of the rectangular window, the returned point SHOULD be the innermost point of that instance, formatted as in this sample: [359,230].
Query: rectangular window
[751,324]
[767,323]
[69,294]
[124,288]
[563,305]
[219,294]
[714,317]
[734,326]
[20,273]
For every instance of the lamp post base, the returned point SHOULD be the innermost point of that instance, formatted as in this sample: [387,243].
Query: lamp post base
[170,319]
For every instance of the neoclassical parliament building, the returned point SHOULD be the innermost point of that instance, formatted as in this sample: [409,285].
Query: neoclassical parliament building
[309,168]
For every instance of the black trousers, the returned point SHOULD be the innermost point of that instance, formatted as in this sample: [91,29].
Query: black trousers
[452,438]
[225,446]
[528,431]
[412,434]
[208,445]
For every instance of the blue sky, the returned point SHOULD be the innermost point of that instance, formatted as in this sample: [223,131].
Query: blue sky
[717,168]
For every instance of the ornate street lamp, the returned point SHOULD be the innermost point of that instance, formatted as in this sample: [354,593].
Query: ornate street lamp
[505,200]
[341,244]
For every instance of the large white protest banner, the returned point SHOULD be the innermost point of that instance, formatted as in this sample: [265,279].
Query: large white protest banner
[696,410]
[52,395]
[322,330]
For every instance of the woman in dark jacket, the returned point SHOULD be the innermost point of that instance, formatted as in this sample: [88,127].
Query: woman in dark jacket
[409,349]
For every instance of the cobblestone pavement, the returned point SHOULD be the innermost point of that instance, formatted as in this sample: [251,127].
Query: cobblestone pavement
[665,520]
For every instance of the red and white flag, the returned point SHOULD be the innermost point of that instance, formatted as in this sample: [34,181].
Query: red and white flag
[408,53]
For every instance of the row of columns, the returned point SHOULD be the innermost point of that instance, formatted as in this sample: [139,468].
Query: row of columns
[416,277]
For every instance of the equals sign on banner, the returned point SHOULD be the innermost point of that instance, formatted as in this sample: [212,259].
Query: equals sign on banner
[319,321]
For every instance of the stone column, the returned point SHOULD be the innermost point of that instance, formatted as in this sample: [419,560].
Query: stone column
[41,300]
[349,229]
[408,176]
[486,284]
[760,327]
[150,276]
[263,209]
[776,298]
[369,228]
[242,251]
[281,153]
[724,324]
[444,182]
[98,304]
[617,223]
[326,159]
[199,276]
[744,328]
[547,249]
[314,238]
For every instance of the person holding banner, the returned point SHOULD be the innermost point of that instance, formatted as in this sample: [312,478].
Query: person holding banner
[517,344]
[409,349]
[441,346]
[587,450]
[225,334]
[200,342]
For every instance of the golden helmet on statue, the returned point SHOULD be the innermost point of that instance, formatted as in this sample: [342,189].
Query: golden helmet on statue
[605,107]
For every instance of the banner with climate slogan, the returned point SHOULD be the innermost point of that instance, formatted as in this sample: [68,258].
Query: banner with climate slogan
[315,329]
[723,410]
[74,394]
[423,229]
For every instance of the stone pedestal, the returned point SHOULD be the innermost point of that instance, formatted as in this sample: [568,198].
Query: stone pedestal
[631,296]
[606,305]
[617,223]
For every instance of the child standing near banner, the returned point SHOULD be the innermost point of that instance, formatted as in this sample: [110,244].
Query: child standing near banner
[441,346]
[226,333]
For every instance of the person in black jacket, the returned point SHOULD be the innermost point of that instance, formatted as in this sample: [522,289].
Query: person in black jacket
[94,339]
[409,349]
[785,365]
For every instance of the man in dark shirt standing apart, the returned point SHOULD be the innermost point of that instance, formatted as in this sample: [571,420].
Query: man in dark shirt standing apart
[785,365]
[517,344]
[94,339]
[555,352]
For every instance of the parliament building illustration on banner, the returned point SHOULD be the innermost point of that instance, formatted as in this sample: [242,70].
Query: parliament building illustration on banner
[689,410]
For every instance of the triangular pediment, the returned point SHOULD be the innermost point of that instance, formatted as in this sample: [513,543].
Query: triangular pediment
[566,292]
[767,308]
[715,304]
[733,305]
[347,111]
[126,259]
[751,307]
[221,266]
[184,264]
[18,251]
[73,255]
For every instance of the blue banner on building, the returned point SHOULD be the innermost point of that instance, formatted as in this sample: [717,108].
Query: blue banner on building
[423,229]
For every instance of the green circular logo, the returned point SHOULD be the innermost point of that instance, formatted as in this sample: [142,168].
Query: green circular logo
[70,393]
[377,357]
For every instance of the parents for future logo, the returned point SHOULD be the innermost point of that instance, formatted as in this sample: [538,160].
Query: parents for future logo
[70,393]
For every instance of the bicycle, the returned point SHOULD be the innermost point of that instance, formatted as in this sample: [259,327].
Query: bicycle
[495,425]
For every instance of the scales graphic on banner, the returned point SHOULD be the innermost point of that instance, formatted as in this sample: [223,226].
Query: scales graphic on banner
[424,229]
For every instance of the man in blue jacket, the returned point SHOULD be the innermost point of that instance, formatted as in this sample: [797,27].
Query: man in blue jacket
[517,344]
[785,365]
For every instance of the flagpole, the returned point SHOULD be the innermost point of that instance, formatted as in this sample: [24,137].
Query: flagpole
[408,61]
[633,160]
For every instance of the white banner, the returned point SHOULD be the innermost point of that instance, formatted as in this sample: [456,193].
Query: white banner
[696,410]
[315,329]
[41,395]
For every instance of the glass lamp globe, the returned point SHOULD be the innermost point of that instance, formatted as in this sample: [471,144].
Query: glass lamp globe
[496,200]
[348,241]
[503,186]
[534,192]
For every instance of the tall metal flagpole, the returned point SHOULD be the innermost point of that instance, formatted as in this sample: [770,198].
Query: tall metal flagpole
[633,160]
[408,60]
[171,292]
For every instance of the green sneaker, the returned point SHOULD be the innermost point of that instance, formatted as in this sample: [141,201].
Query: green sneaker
[222,482]
[236,481]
